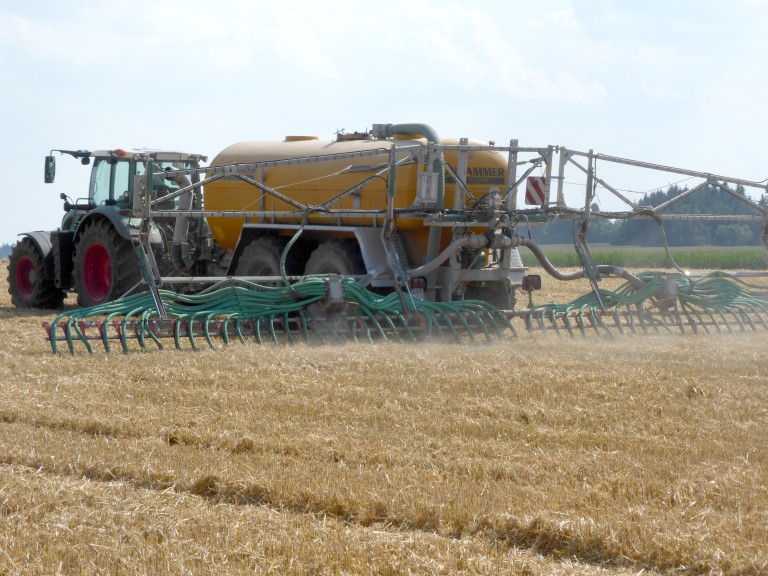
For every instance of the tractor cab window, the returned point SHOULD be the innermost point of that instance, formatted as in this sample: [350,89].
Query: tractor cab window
[122,170]
[110,182]
[100,178]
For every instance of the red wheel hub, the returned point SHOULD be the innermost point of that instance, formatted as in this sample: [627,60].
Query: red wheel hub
[26,277]
[97,272]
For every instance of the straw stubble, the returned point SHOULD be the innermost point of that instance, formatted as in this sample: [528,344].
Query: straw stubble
[535,456]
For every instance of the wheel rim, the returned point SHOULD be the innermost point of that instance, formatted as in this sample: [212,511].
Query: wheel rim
[25,277]
[97,272]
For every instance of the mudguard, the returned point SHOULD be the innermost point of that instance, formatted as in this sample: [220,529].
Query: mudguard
[42,240]
[120,223]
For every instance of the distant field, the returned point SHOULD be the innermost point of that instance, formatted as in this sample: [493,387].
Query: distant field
[538,455]
[699,257]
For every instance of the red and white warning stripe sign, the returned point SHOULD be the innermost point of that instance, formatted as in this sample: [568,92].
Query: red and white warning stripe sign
[536,190]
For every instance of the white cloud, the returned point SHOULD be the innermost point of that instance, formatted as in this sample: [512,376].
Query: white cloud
[663,92]
[559,21]
[478,56]
[295,43]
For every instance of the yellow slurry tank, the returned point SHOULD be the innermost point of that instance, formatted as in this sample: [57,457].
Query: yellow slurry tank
[383,206]
[313,184]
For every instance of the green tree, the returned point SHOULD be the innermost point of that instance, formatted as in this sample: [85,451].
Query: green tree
[733,235]
[708,200]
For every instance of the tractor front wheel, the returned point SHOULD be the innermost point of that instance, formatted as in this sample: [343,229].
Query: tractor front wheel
[27,282]
[106,265]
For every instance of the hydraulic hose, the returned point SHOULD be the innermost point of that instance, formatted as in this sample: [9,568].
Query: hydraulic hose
[558,275]
[481,241]
[473,241]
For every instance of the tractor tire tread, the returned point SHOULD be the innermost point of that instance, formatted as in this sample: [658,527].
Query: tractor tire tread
[126,271]
[45,294]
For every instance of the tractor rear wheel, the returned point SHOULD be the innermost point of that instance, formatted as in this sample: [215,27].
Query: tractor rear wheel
[340,257]
[262,258]
[106,265]
[27,284]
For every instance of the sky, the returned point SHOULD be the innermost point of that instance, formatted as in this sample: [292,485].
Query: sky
[676,82]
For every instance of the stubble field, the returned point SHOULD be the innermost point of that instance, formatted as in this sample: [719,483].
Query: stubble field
[535,456]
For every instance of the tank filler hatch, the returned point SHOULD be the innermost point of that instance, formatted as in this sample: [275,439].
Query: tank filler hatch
[343,137]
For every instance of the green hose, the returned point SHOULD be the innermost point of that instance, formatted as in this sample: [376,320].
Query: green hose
[288,312]
[716,294]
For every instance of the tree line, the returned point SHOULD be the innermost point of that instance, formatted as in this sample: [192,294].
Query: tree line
[708,200]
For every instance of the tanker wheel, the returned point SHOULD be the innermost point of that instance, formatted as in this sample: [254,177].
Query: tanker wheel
[262,258]
[106,265]
[340,257]
[27,284]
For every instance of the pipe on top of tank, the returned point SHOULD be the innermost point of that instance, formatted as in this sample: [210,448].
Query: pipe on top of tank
[411,128]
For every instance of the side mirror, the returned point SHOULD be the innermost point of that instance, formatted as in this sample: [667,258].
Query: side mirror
[50,169]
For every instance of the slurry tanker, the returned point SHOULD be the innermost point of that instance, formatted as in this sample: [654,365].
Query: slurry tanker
[391,230]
